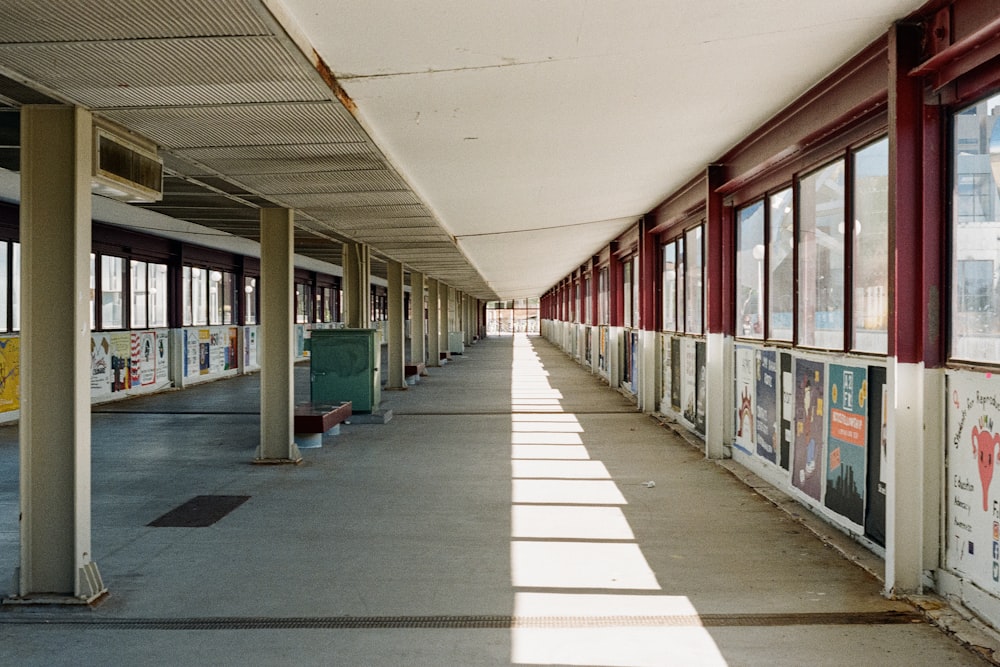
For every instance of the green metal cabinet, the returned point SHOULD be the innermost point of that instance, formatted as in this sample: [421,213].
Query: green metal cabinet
[345,366]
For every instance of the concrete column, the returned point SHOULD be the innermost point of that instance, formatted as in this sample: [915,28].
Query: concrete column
[445,316]
[396,326]
[433,324]
[720,276]
[357,290]
[418,346]
[277,342]
[56,563]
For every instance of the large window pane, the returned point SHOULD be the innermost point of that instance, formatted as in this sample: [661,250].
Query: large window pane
[750,271]
[199,296]
[694,290]
[112,296]
[603,297]
[303,304]
[249,300]
[157,295]
[975,306]
[821,258]
[140,294]
[188,315]
[670,287]
[629,304]
[4,286]
[780,265]
[216,297]
[871,248]
[93,291]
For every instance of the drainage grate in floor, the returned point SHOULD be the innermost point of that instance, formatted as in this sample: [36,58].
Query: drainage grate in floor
[199,512]
[474,622]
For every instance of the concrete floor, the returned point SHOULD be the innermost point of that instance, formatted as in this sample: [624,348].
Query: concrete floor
[421,542]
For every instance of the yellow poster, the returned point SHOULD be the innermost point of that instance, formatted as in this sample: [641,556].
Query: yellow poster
[10,374]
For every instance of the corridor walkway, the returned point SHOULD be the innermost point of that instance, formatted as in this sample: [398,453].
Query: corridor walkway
[513,511]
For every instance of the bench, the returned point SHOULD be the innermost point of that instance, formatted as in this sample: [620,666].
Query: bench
[312,421]
[413,372]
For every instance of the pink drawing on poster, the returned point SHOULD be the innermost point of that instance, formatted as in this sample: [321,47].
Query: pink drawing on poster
[984,444]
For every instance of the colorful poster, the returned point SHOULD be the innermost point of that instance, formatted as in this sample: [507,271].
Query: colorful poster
[121,361]
[973,522]
[232,355]
[746,431]
[847,441]
[162,356]
[787,414]
[766,396]
[10,374]
[807,463]
[217,352]
[204,351]
[100,364]
[675,375]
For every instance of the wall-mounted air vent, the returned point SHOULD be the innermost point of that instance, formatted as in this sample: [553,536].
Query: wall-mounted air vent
[124,169]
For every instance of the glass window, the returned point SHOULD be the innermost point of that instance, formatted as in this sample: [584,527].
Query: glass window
[249,300]
[140,294]
[187,316]
[228,297]
[158,288]
[821,258]
[670,287]
[216,297]
[303,303]
[975,307]
[4,292]
[603,297]
[199,296]
[628,269]
[750,271]
[780,260]
[870,275]
[15,293]
[680,284]
[694,302]
[112,292]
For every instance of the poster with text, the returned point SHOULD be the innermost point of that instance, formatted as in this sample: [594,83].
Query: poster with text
[665,373]
[675,374]
[250,346]
[10,374]
[162,356]
[766,397]
[232,357]
[121,361]
[689,370]
[143,358]
[973,521]
[875,485]
[217,351]
[746,431]
[787,413]
[701,388]
[204,351]
[807,461]
[100,364]
[847,441]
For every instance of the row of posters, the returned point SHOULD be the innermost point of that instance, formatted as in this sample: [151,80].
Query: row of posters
[816,421]
[683,380]
[125,360]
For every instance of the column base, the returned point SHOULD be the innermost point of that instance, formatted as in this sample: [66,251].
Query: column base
[92,591]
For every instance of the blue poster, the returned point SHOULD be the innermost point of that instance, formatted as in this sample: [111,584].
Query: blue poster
[845,469]
[767,399]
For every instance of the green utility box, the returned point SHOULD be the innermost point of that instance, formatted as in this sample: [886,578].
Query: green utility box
[345,366]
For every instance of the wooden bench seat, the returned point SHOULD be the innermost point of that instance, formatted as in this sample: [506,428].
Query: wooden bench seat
[413,372]
[312,420]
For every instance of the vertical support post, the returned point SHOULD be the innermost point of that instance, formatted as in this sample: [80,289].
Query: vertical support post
[396,334]
[445,316]
[433,324]
[277,358]
[719,362]
[418,345]
[649,316]
[357,291]
[913,427]
[56,558]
